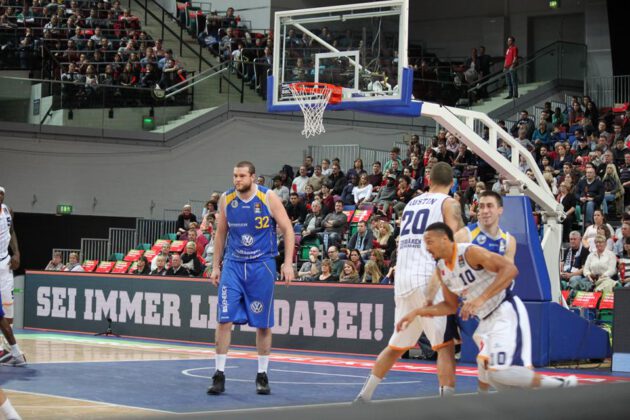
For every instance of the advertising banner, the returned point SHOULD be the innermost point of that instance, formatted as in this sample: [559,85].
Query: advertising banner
[308,316]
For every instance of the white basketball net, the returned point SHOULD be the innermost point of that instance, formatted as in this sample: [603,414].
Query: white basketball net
[313,104]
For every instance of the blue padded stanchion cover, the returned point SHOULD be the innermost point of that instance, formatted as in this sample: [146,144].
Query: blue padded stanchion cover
[532,283]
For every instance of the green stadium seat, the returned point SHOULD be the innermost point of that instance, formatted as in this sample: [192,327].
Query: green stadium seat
[171,236]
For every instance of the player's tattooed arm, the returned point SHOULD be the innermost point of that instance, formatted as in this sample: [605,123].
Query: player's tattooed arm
[452,212]
[456,210]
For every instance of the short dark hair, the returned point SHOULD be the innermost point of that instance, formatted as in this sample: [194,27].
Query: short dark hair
[512,38]
[406,178]
[441,174]
[490,193]
[246,164]
[294,194]
[377,162]
[441,228]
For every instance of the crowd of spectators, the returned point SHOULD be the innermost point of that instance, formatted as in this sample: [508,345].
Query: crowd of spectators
[98,47]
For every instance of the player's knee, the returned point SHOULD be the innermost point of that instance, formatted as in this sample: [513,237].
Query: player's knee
[512,377]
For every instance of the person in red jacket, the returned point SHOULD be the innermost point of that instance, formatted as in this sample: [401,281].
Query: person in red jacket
[509,68]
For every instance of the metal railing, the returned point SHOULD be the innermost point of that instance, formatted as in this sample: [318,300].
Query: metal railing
[180,37]
[149,230]
[121,240]
[197,208]
[171,214]
[94,249]
[559,60]
[608,91]
[65,253]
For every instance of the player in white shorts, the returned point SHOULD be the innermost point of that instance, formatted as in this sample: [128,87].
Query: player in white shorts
[414,268]
[487,234]
[482,280]
[8,239]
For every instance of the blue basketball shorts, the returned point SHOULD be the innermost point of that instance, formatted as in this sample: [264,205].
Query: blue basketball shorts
[246,293]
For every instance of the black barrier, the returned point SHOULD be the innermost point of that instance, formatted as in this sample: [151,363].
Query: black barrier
[308,316]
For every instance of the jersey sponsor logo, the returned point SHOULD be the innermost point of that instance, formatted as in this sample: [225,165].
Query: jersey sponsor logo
[481,239]
[247,240]
[502,246]
[256,306]
[257,208]
[234,204]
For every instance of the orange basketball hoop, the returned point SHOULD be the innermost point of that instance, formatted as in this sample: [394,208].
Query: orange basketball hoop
[313,98]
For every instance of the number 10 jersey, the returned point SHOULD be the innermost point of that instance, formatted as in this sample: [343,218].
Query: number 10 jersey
[414,264]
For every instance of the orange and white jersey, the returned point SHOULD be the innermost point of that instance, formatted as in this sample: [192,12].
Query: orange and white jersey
[469,282]
[414,264]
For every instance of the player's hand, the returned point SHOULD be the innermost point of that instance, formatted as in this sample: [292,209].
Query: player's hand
[404,322]
[14,264]
[215,276]
[470,308]
[287,274]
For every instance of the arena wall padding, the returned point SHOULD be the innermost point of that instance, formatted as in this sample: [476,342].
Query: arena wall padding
[532,283]
[557,335]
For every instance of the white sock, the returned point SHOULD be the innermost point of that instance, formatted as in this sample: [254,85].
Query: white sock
[4,343]
[550,382]
[9,412]
[15,350]
[263,363]
[219,362]
[369,387]
[447,391]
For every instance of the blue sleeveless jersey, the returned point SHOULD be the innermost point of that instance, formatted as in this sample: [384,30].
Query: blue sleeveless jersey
[497,245]
[251,227]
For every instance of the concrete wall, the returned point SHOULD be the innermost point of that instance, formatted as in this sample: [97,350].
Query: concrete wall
[125,180]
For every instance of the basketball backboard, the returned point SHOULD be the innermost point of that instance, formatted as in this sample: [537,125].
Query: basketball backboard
[359,47]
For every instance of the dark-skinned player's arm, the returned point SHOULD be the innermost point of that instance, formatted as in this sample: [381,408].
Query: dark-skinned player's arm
[14,263]
[505,270]
[447,307]
[219,241]
[288,234]
[452,215]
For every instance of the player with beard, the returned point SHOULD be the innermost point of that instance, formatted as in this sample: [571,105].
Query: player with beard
[245,273]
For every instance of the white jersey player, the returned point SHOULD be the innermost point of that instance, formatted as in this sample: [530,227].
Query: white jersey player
[487,234]
[414,268]
[482,280]
[8,263]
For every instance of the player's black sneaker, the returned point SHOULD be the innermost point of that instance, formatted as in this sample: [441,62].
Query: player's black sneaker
[218,383]
[262,384]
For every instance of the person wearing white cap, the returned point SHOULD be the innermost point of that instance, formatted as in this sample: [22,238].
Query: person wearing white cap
[8,239]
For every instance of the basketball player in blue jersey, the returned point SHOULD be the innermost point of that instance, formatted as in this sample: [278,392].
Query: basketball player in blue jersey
[487,234]
[482,280]
[246,230]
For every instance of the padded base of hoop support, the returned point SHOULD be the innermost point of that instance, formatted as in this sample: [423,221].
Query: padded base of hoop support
[403,107]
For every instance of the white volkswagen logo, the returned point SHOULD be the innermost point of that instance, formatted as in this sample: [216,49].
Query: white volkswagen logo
[247,240]
[256,307]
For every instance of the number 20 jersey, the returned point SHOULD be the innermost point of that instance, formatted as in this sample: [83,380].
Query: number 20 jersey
[414,264]
[251,227]
[469,282]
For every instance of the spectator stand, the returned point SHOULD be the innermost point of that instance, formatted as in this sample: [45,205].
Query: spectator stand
[347,154]
[163,22]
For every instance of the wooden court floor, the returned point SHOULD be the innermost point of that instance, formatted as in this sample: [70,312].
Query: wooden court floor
[60,350]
